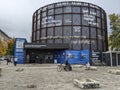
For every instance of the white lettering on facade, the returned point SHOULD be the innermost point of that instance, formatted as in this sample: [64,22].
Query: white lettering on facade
[83,41]
[76,29]
[62,37]
[91,19]
[49,21]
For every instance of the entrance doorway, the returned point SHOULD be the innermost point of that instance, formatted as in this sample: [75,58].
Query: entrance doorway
[118,59]
[40,56]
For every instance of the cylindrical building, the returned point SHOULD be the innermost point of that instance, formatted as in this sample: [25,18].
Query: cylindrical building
[81,25]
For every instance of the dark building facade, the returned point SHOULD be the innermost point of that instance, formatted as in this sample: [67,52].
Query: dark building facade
[79,25]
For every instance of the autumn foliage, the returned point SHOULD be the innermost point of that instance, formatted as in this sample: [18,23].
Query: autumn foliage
[6,48]
[3,47]
[10,49]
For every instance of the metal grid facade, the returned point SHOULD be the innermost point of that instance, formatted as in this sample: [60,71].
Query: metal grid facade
[81,25]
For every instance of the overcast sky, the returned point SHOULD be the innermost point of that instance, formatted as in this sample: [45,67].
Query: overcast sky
[16,15]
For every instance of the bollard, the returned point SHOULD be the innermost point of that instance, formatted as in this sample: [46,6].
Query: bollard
[0,71]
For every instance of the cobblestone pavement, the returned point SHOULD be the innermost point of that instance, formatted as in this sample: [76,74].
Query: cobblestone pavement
[46,77]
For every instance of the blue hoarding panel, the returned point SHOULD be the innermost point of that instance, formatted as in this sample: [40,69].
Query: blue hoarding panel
[19,49]
[84,56]
[59,56]
[73,56]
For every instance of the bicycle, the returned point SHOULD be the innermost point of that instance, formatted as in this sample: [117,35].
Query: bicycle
[62,67]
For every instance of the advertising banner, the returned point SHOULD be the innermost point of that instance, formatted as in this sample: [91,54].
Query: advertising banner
[19,50]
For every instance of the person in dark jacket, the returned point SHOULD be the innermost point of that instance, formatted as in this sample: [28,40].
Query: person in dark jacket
[7,60]
[67,66]
[15,59]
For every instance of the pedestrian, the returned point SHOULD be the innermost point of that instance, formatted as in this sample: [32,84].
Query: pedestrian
[11,59]
[15,59]
[7,60]
[67,66]
[87,65]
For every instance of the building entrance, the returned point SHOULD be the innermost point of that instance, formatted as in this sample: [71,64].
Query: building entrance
[118,59]
[41,53]
[40,56]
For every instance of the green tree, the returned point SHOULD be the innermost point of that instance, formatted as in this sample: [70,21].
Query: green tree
[114,38]
[10,50]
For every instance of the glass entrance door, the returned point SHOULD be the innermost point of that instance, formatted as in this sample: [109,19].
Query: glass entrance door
[118,59]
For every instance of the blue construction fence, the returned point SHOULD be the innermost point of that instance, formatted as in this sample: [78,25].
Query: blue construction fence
[73,56]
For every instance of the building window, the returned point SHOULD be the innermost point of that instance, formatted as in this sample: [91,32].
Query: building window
[76,9]
[93,32]
[85,32]
[58,10]
[76,44]
[34,18]
[67,40]
[100,45]
[44,8]
[85,10]
[38,34]
[49,41]
[58,20]
[58,17]
[50,32]
[51,12]
[76,30]
[39,11]
[93,45]
[67,19]
[34,26]
[43,14]
[42,41]
[38,24]
[50,6]
[67,10]
[38,17]
[43,33]
[85,20]
[103,17]
[92,11]
[34,36]
[76,19]
[99,22]
[67,31]
[58,31]
[58,40]
[98,13]
[85,45]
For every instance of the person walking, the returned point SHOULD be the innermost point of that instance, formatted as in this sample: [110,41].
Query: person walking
[7,60]
[15,59]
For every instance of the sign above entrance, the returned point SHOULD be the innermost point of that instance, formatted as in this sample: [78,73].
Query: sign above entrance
[34,46]
[45,46]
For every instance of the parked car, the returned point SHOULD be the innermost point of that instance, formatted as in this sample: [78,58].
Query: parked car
[3,58]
